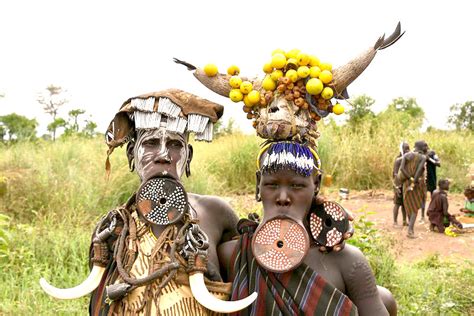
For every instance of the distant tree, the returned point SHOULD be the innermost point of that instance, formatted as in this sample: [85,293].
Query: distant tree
[89,129]
[360,109]
[51,100]
[18,127]
[72,125]
[53,126]
[462,115]
[412,113]
[3,132]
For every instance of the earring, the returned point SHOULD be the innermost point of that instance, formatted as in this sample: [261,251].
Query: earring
[188,170]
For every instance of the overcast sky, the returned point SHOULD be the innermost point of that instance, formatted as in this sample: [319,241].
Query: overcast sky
[103,52]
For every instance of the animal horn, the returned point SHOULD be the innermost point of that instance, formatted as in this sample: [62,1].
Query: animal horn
[89,285]
[345,75]
[209,301]
[218,83]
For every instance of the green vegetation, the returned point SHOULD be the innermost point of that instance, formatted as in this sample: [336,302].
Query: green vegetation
[53,193]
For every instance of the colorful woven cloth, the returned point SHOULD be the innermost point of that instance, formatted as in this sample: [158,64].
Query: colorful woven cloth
[413,196]
[298,292]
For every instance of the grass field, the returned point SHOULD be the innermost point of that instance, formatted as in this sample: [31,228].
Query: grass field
[52,194]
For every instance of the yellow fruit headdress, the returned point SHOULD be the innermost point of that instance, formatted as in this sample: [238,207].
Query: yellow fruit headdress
[296,92]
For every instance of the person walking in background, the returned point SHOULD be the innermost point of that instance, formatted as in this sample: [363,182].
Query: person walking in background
[411,174]
[397,185]
[432,162]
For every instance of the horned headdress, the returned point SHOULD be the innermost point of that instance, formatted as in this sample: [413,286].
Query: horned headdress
[296,92]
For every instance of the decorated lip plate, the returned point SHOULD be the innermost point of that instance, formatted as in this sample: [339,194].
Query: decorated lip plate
[280,245]
[162,201]
[328,222]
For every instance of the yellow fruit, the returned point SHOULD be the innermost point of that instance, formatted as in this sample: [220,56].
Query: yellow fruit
[325,66]
[235,82]
[314,86]
[327,93]
[247,101]
[292,74]
[268,84]
[314,72]
[253,97]
[233,70]
[303,59]
[276,74]
[235,95]
[278,60]
[278,51]
[210,70]
[325,76]
[268,68]
[292,63]
[292,53]
[303,71]
[338,109]
[313,61]
[246,87]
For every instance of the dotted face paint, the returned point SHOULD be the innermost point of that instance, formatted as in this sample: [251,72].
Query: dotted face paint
[328,223]
[280,245]
[162,201]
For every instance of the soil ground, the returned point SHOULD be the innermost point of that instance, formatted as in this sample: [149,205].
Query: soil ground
[379,205]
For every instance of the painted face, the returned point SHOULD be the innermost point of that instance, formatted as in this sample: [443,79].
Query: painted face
[159,152]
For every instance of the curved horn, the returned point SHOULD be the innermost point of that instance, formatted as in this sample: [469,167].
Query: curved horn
[219,83]
[89,285]
[209,301]
[345,75]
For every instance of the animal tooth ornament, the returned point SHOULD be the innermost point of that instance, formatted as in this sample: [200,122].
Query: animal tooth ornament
[296,92]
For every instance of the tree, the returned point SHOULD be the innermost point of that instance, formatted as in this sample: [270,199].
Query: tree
[72,126]
[89,129]
[53,126]
[462,115]
[18,127]
[52,100]
[411,113]
[360,109]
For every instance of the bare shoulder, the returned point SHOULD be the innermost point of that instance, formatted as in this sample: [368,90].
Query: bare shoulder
[211,203]
[352,263]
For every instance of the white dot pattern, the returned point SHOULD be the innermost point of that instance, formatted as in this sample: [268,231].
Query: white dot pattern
[269,232]
[334,210]
[276,260]
[294,238]
[158,191]
[333,237]
[315,225]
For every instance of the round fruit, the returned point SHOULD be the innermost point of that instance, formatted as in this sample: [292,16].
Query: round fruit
[313,61]
[233,70]
[327,93]
[235,82]
[292,63]
[325,66]
[325,76]
[303,59]
[246,87]
[247,101]
[292,74]
[278,51]
[338,109]
[276,74]
[314,72]
[268,68]
[235,95]
[268,84]
[253,97]
[314,86]
[292,53]
[278,61]
[210,70]
[303,71]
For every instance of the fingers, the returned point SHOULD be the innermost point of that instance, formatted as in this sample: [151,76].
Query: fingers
[349,233]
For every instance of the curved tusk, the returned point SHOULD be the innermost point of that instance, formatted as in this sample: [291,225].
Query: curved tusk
[209,301]
[89,285]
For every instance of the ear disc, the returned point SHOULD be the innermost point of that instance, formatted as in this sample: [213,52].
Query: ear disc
[328,222]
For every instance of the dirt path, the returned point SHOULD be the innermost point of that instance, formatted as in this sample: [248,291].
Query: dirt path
[380,203]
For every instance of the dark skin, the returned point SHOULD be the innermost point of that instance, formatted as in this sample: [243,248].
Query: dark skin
[168,154]
[421,148]
[286,192]
[396,168]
